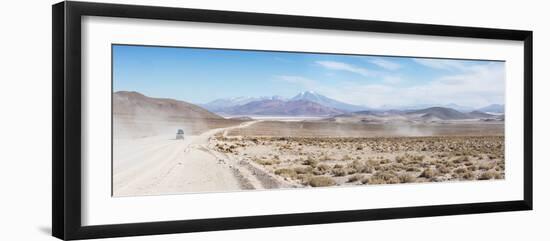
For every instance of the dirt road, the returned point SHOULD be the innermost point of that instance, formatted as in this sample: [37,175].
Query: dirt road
[162,165]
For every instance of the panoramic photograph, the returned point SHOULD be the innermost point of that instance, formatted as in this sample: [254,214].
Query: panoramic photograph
[193,120]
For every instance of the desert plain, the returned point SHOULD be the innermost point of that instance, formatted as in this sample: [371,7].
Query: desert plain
[232,153]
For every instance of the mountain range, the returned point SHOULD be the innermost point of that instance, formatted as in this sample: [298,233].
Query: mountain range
[312,103]
[283,108]
[303,104]
[426,115]
[219,105]
[323,100]
[494,108]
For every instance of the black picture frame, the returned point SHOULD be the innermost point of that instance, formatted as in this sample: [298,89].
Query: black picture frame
[66,127]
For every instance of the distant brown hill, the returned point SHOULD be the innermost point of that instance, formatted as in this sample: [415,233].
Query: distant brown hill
[137,104]
[440,113]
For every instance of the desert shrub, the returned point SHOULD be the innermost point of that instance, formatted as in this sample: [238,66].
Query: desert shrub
[303,170]
[443,169]
[359,167]
[372,162]
[373,180]
[428,173]
[366,169]
[418,157]
[400,159]
[467,176]
[322,181]
[487,175]
[350,171]
[460,170]
[383,178]
[355,165]
[338,166]
[323,167]
[318,173]
[432,162]
[285,172]
[413,169]
[345,157]
[461,159]
[397,166]
[355,178]
[339,172]
[384,168]
[310,161]
[267,162]
[441,155]
[486,166]
[325,158]
[304,178]
[406,178]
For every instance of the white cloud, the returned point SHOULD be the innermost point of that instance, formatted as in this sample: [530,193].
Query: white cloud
[386,64]
[477,86]
[334,65]
[474,85]
[446,64]
[392,80]
[298,80]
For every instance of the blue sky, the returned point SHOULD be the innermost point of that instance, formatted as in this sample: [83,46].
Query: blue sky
[202,75]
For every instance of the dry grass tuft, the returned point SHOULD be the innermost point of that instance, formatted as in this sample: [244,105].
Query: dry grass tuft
[321,169]
[338,172]
[443,169]
[388,177]
[303,170]
[467,176]
[285,172]
[406,178]
[485,166]
[428,173]
[413,169]
[487,175]
[460,170]
[321,181]
[310,162]
[267,162]
[355,178]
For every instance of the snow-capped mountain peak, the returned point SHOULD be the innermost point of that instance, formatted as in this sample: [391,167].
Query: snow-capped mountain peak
[221,105]
[326,101]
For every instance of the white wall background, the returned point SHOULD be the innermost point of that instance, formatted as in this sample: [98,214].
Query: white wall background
[25,123]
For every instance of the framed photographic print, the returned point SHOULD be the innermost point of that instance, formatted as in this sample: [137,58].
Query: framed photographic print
[169,120]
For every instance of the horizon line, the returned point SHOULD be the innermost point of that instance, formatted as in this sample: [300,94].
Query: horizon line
[403,107]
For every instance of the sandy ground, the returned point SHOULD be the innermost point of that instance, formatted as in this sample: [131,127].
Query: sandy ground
[335,129]
[160,164]
[231,155]
[317,161]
